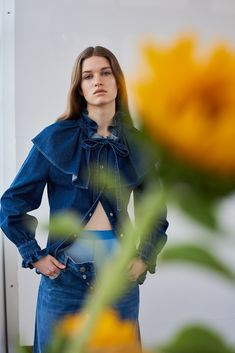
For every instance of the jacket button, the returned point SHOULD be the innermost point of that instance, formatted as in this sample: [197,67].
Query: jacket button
[90,214]
[84,276]
[111,214]
[82,269]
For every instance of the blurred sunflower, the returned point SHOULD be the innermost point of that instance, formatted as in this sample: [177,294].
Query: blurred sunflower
[110,334]
[187,103]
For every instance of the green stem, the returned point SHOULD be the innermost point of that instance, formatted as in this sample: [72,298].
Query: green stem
[106,288]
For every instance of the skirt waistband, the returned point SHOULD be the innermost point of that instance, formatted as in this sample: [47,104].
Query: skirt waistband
[97,234]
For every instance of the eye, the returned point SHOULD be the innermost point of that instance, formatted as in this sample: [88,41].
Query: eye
[87,77]
[106,73]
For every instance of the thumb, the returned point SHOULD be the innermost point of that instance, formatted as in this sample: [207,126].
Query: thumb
[57,263]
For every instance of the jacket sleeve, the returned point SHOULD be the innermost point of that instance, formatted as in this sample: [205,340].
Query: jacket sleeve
[153,243]
[24,195]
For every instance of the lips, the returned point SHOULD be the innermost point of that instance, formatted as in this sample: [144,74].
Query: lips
[100,91]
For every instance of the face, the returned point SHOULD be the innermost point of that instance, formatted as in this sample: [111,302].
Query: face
[98,83]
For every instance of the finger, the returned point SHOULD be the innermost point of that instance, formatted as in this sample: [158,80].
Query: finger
[129,267]
[57,263]
[50,271]
[132,278]
[54,276]
[56,271]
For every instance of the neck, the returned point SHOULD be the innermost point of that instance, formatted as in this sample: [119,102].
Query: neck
[103,116]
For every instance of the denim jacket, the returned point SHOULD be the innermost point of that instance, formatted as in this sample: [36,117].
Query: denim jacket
[61,158]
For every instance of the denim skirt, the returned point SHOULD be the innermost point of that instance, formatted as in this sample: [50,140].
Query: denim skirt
[67,294]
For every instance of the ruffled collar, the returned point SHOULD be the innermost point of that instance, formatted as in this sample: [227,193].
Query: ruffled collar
[69,145]
[90,126]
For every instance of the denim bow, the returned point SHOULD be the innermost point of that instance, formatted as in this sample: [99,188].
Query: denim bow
[117,148]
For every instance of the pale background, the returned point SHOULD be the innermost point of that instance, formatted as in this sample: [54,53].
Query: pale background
[48,37]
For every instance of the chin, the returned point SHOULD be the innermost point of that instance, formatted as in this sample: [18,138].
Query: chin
[103,102]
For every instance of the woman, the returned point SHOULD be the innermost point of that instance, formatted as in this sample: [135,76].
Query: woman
[94,134]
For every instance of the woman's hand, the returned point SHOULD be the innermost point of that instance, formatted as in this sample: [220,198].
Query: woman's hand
[49,266]
[136,268]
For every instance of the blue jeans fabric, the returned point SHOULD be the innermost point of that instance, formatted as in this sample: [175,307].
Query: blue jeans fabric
[93,246]
[67,294]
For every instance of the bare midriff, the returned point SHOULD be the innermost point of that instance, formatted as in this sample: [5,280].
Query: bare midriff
[99,220]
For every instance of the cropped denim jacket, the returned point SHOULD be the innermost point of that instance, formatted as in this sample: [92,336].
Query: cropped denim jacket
[61,158]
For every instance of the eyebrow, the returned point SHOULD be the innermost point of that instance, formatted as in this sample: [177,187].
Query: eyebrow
[103,68]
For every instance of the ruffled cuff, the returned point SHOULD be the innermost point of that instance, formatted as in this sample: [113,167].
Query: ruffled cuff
[31,252]
[148,252]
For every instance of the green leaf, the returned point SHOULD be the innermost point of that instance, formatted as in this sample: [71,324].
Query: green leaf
[198,207]
[21,349]
[196,339]
[64,223]
[197,255]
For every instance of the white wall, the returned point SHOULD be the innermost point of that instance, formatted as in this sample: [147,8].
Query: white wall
[2,282]
[2,303]
[49,35]
[8,273]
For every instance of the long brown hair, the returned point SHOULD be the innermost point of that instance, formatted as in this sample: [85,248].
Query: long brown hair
[76,102]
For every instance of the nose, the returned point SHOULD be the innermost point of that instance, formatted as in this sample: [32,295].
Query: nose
[98,81]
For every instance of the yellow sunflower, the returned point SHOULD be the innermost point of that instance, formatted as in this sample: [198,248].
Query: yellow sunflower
[186,101]
[110,334]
